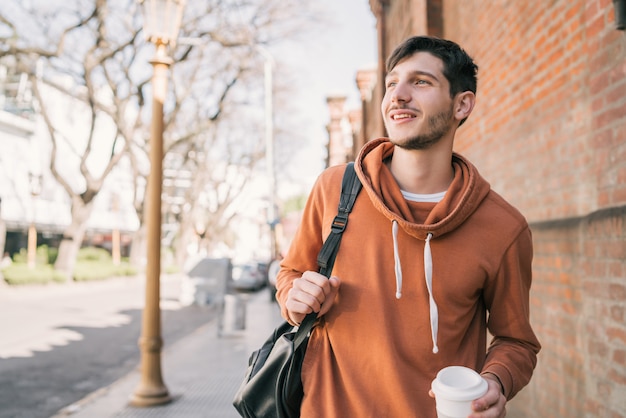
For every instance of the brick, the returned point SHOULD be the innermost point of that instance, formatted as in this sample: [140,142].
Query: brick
[615,269]
[617,196]
[618,334]
[598,348]
[594,408]
[569,308]
[617,377]
[604,390]
[617,94]
[619,357]
[617,313]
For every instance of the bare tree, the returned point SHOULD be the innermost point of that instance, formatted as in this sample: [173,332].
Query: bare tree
[93,53]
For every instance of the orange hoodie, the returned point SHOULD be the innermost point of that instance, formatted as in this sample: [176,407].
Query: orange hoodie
[421,284]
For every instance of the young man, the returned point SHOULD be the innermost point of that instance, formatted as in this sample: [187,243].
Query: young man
[430,261]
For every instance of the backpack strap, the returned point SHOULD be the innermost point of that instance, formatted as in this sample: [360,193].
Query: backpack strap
[350,188]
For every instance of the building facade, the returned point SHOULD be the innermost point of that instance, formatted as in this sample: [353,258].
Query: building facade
[32,203]
[549,133]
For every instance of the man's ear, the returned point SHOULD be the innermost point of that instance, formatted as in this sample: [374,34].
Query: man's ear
[464,104]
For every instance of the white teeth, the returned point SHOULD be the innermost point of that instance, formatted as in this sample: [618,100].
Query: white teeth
[402,116]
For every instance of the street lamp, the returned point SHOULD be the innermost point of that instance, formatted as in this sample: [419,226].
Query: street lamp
[162,20]
[272,217]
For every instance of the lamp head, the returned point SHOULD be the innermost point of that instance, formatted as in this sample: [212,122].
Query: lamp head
[162,20]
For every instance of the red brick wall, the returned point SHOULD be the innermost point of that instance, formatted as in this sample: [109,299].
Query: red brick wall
[551,102]
[579,313]
[549,133]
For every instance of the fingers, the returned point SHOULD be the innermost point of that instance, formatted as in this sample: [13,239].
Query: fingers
[329,297]
[492,404]
[312,292]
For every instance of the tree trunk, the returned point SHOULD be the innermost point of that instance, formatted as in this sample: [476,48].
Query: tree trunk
[73,237]
[184,238]
[137,256]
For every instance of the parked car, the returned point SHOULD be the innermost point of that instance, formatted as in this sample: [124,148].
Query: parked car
[248,277]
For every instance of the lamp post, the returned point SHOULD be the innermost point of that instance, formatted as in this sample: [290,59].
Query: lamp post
[161,25]
[272,217]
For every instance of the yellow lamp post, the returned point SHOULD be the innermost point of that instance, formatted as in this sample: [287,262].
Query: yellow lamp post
[162,20]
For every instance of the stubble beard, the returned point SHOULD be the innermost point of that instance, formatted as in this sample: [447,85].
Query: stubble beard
[438,126]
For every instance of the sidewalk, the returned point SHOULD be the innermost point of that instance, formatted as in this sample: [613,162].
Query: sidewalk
[201,371]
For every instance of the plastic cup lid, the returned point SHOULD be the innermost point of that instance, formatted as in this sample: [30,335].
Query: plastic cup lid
[459,383]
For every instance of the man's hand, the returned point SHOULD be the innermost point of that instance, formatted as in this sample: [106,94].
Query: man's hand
[493,403]
[312,292]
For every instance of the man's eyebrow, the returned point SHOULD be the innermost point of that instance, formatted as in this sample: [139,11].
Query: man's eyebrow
[393,73]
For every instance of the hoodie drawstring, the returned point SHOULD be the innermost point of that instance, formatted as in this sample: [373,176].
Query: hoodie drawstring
[396,257]
[428,272]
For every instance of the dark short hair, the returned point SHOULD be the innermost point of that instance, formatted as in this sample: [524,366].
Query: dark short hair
[458,67]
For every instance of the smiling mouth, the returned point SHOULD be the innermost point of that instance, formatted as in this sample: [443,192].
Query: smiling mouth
[401,116]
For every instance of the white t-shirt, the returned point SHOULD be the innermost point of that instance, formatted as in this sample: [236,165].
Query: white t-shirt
[432,197]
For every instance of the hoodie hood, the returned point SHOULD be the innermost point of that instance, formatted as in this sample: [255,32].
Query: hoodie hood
[463,197]
[467,191]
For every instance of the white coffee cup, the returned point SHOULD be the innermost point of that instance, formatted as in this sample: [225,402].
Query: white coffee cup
[455,388]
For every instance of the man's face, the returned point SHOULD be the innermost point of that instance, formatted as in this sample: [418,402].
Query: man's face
[417,107]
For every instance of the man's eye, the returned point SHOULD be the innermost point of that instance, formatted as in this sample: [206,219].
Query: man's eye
[421,82]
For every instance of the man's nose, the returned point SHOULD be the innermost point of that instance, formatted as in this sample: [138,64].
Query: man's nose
[400,94]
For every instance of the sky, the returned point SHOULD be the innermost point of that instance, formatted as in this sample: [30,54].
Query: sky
[348,44]
[324,64]
[327,64]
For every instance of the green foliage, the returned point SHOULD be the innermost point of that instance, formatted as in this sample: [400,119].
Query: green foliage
[93,254]
[92,270]
[52,254]
[91,264]
[125,269]
[43,255]
[19,274]
[20,257]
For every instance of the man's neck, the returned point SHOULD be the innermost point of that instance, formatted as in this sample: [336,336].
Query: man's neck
[422,171]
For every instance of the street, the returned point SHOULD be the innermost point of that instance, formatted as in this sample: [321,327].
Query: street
[59,343]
